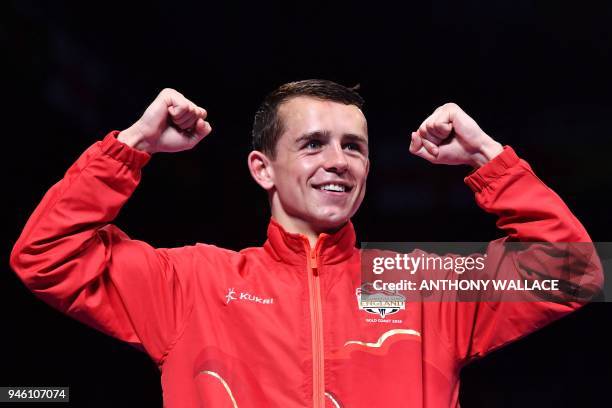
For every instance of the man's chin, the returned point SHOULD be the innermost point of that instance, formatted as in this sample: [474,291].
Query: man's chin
[330,224]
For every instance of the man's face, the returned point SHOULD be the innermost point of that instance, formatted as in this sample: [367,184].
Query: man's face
[321,163]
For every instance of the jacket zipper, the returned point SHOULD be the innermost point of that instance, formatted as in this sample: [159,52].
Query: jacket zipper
[316,322]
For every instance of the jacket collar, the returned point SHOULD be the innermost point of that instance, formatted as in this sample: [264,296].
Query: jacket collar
[293,248]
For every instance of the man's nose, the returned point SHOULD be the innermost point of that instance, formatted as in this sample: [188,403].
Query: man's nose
[335,159]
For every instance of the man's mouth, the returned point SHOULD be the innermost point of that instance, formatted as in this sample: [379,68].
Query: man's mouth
[334,187]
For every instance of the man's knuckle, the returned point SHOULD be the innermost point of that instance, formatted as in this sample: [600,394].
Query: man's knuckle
[169,91]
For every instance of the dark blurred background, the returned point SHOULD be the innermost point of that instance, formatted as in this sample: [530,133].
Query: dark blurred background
[534,75]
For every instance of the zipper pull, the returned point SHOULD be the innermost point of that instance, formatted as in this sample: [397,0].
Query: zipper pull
[313,264]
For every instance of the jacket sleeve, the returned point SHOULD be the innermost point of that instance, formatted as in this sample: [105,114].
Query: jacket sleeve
[70,256]
[530,214]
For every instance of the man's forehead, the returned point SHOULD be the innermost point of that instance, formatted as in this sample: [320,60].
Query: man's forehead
[304,114]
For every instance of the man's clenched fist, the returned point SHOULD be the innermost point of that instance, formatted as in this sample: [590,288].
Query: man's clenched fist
[450,136]
[172,123]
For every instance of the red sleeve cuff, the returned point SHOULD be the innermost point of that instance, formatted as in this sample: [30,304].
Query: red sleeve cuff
[492,170]
[133,158]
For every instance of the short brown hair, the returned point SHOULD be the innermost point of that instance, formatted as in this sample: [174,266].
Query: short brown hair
[268,126]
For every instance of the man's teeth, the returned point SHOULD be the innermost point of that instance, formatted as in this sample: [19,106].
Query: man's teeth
[333,187]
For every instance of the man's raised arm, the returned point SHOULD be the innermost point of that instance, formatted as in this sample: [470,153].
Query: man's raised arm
[70,255]
[528,211]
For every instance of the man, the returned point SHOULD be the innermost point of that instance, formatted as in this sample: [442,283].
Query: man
[279,326]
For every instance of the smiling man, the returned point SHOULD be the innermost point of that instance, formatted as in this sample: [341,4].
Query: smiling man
[281,325]
[315,168]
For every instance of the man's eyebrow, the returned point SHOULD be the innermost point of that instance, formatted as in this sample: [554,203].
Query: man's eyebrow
[312,135]
[356,138]
[325,134]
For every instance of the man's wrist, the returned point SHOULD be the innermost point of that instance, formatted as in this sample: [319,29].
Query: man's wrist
[488,151]
[134,138]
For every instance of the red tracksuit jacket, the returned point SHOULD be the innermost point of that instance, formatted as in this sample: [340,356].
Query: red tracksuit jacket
[278,325]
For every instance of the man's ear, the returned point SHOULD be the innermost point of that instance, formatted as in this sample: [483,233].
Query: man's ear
[261,170]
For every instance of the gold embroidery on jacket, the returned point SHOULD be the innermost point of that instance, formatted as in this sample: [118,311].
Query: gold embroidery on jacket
[224,383]
[384,337]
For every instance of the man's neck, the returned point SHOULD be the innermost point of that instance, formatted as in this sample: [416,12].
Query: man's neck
[297,227]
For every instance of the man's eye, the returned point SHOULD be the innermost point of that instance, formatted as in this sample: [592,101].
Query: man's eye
[313,144]
[352,146]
